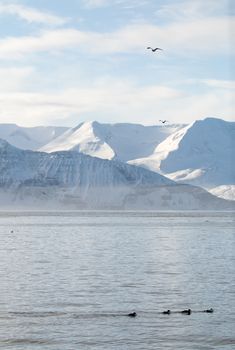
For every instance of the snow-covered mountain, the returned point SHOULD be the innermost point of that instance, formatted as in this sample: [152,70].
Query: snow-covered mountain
[112,141]
[224,191]
[29,138]
[201,153]
[74,180]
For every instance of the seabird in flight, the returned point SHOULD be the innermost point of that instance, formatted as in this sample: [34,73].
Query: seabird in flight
[153,50]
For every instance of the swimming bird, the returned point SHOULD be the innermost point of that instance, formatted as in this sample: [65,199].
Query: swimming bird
[186,312]
[153,50]
[163,121]
[209,310]
[167,312]
[132,314]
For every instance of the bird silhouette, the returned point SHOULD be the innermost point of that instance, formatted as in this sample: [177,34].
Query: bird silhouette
[153,50]
[209,310]
[163,121]
[168,312]
[132,314]
[186,312]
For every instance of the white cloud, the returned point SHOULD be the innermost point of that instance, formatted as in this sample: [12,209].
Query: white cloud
[221,84]
[193,9]
[14,78]
[95,3]
[195,37]
[198,106]
[114,101]
[45,42]
[104,3]
[31,15]
[199,36]
[104,97]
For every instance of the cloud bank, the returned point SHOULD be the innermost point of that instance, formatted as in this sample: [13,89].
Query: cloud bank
[31,14]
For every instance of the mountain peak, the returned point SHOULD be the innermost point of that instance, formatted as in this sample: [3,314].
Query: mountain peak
[210,121]
[121,141]
[86,138]
[205,148]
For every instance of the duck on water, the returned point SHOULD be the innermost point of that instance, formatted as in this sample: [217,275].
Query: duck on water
[168,312]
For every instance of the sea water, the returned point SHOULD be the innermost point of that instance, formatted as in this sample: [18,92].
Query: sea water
[68,280]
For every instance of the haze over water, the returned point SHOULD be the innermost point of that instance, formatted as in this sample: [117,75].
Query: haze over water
[69,278]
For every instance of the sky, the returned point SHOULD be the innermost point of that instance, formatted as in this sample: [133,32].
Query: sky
[63,62]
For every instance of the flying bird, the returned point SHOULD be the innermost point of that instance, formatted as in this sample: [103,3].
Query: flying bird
[163,121]
[153,50]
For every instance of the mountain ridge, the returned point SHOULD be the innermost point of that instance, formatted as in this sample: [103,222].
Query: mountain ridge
[70,179]
[123,141]
[200,153]
[31,138]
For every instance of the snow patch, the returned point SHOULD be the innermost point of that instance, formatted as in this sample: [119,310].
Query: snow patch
[225,191]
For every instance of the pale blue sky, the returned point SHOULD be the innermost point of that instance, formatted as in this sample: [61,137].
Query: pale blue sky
[67,61]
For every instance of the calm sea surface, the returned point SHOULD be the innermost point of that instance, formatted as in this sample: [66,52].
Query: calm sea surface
[68,279]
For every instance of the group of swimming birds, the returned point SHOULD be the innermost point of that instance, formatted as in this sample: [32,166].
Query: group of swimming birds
[168,312]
